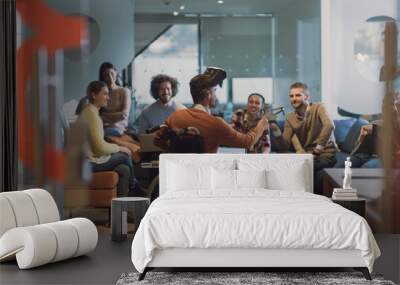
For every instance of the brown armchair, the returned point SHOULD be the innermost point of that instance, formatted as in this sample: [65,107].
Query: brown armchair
[102,189]
[97,194]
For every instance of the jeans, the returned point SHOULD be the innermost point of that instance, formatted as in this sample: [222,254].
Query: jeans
[111,132]
[122,164]
[321,162]
[360,160]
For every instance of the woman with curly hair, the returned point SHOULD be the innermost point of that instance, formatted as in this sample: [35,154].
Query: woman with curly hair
[162,88]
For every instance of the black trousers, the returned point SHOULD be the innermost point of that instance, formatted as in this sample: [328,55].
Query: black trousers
[321,162]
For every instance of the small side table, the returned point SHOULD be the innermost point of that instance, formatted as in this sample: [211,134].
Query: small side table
[119,214]
[356,205]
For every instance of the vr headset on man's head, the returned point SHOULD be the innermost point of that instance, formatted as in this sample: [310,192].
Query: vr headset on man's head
[213,76]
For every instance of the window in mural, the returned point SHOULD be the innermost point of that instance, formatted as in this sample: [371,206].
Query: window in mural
[174,53]
[242,87]
[369,48]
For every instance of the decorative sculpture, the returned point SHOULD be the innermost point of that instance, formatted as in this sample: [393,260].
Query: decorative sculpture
[346,192]
[347,174]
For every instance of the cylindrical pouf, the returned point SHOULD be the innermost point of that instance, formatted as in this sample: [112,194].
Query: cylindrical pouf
[45,205]
[67,240]
[41,244]
[23,208]
[26,208]
[6,216]
[119,209]
[87,235]
[34,246]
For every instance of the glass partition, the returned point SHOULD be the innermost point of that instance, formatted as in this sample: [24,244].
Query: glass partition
[243,46]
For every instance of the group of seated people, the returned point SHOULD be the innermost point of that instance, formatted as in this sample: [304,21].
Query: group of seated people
[104,111]
[308,129]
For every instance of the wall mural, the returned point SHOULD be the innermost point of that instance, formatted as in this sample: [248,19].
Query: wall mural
[41,86]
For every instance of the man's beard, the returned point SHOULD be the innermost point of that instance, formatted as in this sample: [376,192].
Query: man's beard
[165,99]
[297,105]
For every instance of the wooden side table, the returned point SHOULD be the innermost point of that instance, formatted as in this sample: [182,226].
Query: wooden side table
[356,205]
[119,214]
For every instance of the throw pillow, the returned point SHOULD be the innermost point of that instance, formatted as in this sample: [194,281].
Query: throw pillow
[290,180]
[182,177]
[342,128]
[352,136]
[284,172]
[223,179]
[251,178]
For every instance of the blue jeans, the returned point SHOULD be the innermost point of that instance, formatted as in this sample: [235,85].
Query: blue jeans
[359,160]
[122,164]
[111,132]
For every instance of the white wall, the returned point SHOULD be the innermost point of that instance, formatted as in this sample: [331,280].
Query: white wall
[342,84]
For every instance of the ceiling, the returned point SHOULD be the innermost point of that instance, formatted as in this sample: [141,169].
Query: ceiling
[229,7]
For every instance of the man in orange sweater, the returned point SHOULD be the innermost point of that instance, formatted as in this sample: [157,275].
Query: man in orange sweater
[214,130]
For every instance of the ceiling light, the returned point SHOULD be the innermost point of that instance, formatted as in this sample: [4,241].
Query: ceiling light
[220,2]
[263,15]
[175,13]
[181,7]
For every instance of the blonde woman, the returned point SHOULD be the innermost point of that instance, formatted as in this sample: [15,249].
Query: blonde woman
[105,156]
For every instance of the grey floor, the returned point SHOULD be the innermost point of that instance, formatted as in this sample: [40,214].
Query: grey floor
[103,266]
[110,260]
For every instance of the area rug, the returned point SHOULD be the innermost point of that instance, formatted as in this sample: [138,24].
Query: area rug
[229,278]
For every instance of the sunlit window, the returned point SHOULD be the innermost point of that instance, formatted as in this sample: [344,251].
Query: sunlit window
[174,53]
[369,48]
[243,87]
